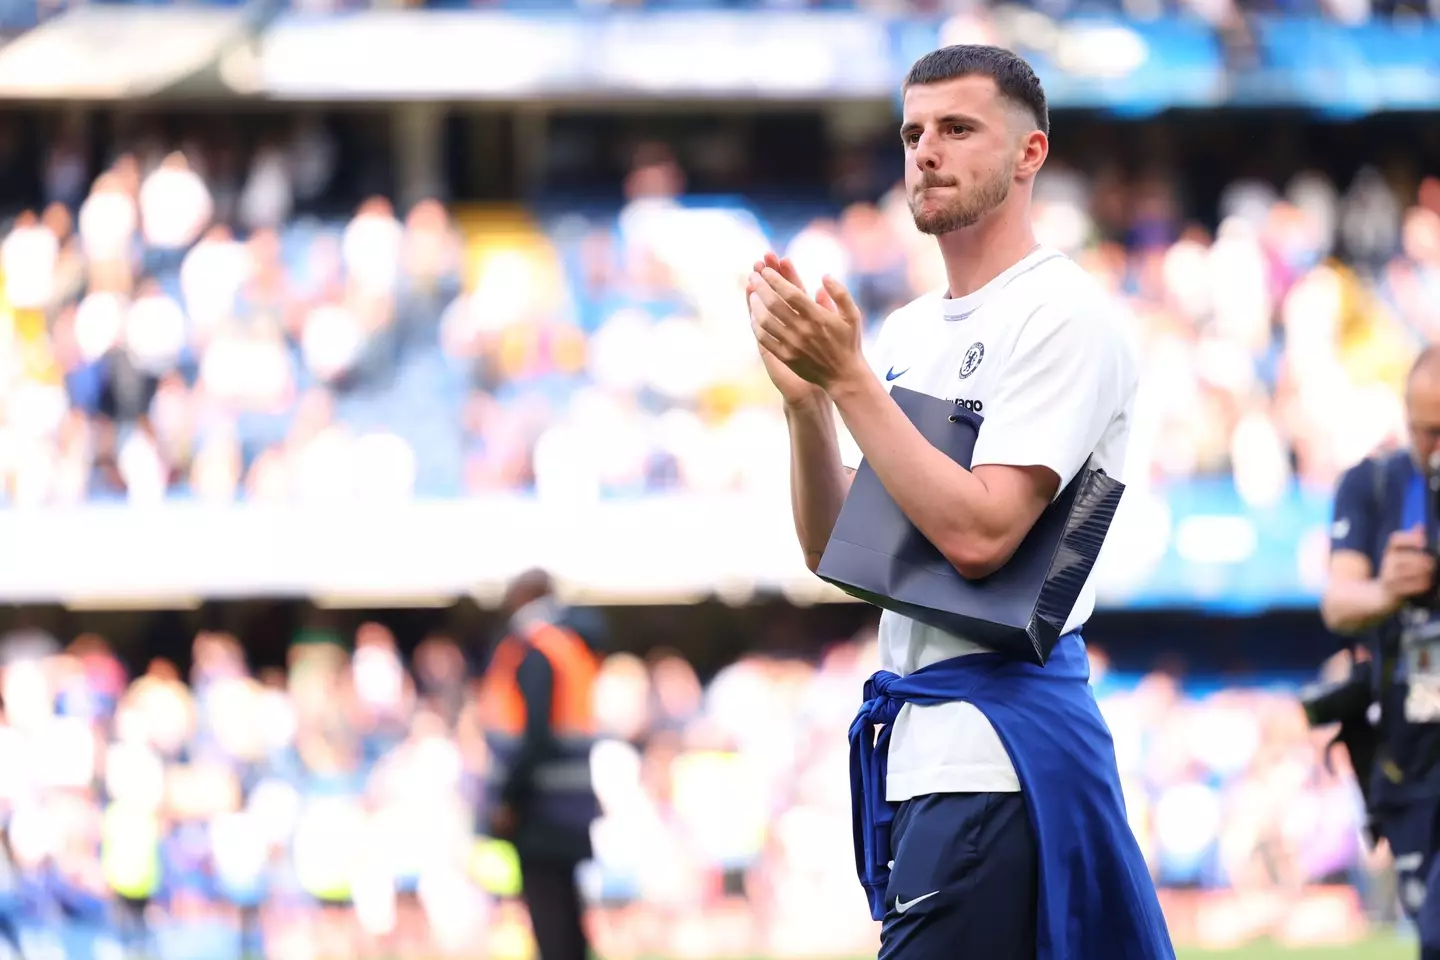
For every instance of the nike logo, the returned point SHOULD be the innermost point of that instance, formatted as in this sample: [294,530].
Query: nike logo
[902,905]
[891,374]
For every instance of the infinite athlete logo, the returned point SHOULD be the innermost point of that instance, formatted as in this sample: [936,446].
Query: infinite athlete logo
[973,356]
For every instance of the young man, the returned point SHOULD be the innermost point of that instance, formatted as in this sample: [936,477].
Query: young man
[1009,839]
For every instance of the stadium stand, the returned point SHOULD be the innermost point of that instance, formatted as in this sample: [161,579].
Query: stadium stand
[604,354]
[327,808]
[194,332]
[207,310]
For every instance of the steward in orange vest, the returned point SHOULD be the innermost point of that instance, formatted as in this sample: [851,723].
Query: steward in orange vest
[537,710]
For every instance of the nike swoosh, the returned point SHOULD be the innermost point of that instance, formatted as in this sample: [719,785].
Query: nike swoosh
[902,905]
[891,374]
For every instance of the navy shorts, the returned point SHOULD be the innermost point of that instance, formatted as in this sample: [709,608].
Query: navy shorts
[1413,832]
[964,882]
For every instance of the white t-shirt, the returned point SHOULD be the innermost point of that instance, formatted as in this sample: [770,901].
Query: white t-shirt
[1039,353]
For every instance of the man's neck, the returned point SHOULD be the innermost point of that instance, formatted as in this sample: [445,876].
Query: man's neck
[976,255]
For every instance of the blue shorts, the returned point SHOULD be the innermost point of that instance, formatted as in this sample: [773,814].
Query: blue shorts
[1413,832]
[965,880]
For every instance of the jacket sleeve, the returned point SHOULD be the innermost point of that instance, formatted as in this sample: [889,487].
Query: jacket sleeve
[1354,524]
[536,679]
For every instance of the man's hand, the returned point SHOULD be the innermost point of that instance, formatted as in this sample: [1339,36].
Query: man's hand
[794,389]
[817,339]
[1406,570]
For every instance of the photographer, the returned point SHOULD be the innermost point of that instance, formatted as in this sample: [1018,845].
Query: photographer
[1381,593]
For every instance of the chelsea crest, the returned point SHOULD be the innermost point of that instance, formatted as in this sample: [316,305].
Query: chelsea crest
[973,356]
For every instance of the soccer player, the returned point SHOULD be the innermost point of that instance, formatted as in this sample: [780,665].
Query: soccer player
[1009,838]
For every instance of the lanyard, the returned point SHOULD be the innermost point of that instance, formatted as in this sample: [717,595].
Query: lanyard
[1414,515]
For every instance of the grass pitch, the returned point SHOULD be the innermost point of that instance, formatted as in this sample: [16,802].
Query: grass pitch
[1380,948]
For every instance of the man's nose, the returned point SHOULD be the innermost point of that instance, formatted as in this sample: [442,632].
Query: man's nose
[927,154]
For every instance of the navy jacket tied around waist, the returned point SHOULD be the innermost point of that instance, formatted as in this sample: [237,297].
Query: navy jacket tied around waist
[1097,900]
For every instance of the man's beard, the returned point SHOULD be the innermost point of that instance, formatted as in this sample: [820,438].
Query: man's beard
[965,209]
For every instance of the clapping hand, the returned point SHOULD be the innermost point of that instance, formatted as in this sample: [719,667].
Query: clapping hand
[807,344]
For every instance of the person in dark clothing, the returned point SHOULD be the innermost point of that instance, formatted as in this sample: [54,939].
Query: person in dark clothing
[536,701]
[1381,593]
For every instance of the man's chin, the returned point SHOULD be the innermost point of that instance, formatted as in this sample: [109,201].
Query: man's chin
[939,224]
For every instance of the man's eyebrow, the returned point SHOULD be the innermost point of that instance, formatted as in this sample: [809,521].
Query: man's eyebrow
[949,120]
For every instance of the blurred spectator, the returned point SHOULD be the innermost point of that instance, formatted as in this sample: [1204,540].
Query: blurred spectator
[175,204]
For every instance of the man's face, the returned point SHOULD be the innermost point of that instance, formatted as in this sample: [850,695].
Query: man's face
[962,145]
[1422,404]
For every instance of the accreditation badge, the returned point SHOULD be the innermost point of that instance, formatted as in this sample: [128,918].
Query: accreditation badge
[1420,654]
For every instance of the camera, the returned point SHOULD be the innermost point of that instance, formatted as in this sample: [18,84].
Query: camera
[1347,703]
[1340,701]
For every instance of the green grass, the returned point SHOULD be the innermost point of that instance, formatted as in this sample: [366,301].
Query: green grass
[1384,948]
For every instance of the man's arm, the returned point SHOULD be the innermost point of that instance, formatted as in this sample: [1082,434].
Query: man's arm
[819,475]
[975,518]
[819,480]
[1062,387]
[536,680]
[1354,599]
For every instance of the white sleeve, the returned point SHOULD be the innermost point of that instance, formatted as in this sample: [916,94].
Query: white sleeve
[1058,393]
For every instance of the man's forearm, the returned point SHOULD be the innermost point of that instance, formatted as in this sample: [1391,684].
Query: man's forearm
[946,502]
[1353,606]
[818,480]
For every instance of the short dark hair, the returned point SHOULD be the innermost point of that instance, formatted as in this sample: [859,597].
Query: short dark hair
[1012,75]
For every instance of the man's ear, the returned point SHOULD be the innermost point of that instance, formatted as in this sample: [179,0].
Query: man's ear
[1033,149]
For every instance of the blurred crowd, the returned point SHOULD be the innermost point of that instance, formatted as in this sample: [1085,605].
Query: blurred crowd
[1215,12]
[184,325]
[19,14]
[329,808]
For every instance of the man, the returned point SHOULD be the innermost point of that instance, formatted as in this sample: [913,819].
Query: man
[983,863]
[1381,591]
[535,699]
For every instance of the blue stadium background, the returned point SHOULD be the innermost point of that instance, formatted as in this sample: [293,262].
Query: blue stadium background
[320,320]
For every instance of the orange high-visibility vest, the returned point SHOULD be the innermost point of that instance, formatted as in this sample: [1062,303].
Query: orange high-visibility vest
[562,793]
[574,667]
